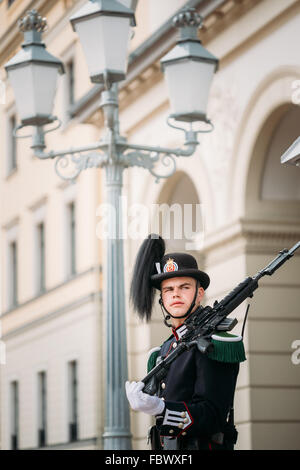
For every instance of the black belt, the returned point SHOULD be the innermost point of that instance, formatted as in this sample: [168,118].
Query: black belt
[189,443]
[192,443]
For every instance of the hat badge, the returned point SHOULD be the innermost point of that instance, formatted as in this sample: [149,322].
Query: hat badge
[170,266]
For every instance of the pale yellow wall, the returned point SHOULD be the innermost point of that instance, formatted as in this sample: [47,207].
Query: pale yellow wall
[150,15]
[36,186]
[24,190]
[8,16]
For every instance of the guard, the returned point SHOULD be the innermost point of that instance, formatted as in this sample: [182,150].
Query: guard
[194,402]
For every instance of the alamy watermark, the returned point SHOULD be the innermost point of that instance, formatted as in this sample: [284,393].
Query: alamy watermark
[296,354]
[136,221]
[296,91]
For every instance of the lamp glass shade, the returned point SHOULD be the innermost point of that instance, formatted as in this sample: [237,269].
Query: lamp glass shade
[188,83]
[105,43]
[34,86]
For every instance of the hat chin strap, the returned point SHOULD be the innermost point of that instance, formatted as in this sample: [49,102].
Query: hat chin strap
[169,315]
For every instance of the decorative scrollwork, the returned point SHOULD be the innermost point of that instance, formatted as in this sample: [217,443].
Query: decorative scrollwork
[148,160]
[166,160]
[77,162]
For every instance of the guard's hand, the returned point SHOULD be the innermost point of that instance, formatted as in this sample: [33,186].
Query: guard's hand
[140,401]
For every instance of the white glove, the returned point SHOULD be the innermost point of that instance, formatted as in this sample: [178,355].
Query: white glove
[140,401]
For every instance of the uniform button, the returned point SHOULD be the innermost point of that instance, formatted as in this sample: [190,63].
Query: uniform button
[163,398]
[186,420]
[180,425]
[183,414]
[163,385]
[184,433]
[174,345]
[171,431]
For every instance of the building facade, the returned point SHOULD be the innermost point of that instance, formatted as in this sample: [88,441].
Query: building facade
[51,295]
[52,386]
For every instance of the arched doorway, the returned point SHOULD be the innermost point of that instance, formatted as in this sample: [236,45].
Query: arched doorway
[273,189]
[180,220]
[272,221]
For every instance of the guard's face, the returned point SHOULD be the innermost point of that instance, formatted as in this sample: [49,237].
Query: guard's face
[177,295]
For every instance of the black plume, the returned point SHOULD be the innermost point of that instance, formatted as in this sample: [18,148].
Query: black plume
[141,291]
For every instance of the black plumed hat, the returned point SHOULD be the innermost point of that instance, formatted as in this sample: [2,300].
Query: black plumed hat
[141,291]
[179,265]
[152,266]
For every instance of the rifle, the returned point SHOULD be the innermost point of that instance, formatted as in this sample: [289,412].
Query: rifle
[201,327]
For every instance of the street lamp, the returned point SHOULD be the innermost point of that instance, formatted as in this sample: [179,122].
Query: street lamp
[189,70]
[95,22]
[33,74]
[103,27]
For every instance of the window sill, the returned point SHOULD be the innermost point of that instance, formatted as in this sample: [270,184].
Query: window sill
[95,269]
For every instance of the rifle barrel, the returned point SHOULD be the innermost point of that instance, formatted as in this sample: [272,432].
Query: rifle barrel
[294,248]
[282,257]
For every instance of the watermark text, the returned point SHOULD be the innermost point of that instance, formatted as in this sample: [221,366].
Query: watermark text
[296,353]
[136,221]
[296,92]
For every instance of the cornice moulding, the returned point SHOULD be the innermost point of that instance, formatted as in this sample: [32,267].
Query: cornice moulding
[249,237]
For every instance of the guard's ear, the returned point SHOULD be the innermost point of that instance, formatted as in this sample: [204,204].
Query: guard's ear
[201,293]
[141,291]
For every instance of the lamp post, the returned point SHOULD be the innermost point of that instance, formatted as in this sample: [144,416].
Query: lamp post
[104,28]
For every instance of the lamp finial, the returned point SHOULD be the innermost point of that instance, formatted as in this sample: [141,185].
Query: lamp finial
[187,17]
[32,21]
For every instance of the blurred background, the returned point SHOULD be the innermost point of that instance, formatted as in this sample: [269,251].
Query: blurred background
[52,381]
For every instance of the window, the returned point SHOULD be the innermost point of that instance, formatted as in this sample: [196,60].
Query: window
[14,434]
[73,401]
[69,215]
[42,409]
[40,237]
[13,274]
[39,247]
[12,145]
[71,242]
[12,265]
[68,84]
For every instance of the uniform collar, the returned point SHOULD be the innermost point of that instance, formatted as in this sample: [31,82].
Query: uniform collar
[181,330]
